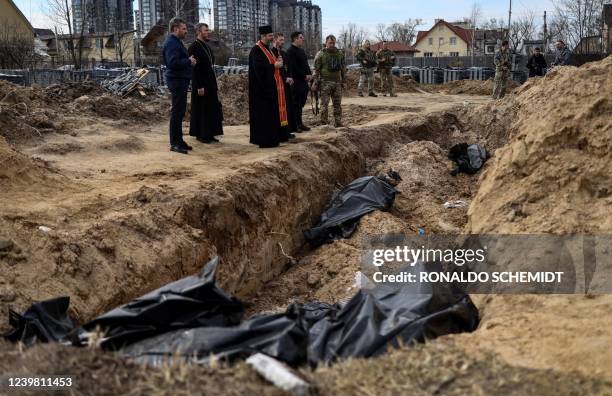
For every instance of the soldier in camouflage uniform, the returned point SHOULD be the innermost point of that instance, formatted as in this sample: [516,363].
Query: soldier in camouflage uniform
[386,60]
[330,72]
[503,60]
[367,61]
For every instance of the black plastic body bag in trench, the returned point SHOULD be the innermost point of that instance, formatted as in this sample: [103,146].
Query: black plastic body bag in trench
[192,319]
[362,196]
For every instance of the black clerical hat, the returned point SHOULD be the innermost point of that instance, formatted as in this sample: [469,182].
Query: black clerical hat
[265,29]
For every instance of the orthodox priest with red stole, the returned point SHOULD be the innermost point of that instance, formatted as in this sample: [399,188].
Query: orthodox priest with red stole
[267,100]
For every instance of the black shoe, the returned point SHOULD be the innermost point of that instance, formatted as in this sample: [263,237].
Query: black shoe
[178,149]
[291,136]
[215,140]
[186,146]
[360,94]
[304,128]
[205,141]
[372,94]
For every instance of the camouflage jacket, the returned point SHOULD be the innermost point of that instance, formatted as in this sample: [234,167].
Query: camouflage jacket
[386,58]
[366,58]
[503,60]
[329,65]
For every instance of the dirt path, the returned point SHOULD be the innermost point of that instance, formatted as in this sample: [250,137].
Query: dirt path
[106,159]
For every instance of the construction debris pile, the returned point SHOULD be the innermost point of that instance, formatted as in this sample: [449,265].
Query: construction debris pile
[130,83]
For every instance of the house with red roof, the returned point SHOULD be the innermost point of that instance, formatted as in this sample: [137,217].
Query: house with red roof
[444,39]
[401,50]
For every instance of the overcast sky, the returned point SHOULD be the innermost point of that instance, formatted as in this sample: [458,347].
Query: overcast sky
[369,13]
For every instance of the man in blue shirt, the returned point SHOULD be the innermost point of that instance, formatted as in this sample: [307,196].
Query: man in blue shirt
[178,74]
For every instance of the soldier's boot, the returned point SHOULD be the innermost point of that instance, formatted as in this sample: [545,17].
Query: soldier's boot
[338,123]
[372,94]
[360,94]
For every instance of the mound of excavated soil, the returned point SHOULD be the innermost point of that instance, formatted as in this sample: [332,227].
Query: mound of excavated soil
[27,113]
[234,96]
[554,177]
[113,107]
[470,87]
[69,91]
[20,172]
[491,121]
[558,161]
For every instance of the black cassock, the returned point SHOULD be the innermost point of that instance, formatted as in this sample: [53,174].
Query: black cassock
[264,117]
[206,111]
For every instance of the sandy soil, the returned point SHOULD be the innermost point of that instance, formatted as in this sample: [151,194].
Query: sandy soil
[126,216]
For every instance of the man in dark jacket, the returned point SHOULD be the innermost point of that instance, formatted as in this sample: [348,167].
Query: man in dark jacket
[286,73]
[178,74]
[537,64]
[298,64]
[206,112]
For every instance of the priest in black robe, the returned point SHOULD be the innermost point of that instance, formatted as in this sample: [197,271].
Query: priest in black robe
[267,104]
[206,111]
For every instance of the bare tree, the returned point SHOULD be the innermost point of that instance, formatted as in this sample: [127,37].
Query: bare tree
[405,32]
[124,44]
[475,15]
[523,28]
[382,32]
[62,13]
[350,38]
[493,24]
[16,50]
[574,20]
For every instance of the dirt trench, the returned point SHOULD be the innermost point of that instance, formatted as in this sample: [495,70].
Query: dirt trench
[253,219]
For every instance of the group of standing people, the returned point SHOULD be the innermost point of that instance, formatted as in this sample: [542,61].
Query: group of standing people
[278,88]
[536,64]
[194,65]
[369,62]
[279,83]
